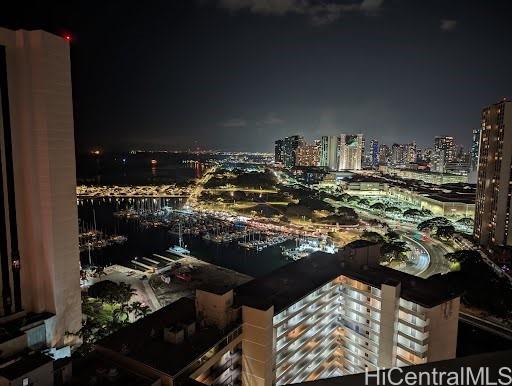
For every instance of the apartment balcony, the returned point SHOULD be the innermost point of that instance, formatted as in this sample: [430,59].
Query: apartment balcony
[307,313]
[420,325]
[363,331]
[372,340]
[366,290]
[285,361]
[419,353]
[370,348]
[303,369]
[290,313]
[307,332]
[363,300]
[422,340]
[374,316]
[369,361]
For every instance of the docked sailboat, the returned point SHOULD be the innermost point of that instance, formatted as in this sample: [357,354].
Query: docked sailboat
[181,248]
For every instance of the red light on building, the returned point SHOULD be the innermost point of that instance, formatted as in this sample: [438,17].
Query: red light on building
[154,162]
[67,37]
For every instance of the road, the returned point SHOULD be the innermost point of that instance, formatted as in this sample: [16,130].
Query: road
[428,254]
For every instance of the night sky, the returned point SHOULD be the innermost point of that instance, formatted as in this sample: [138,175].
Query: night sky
[237,74]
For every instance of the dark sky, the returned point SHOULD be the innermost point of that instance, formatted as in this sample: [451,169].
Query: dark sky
[236,74]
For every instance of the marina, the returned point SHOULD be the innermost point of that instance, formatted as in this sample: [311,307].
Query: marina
[153,232]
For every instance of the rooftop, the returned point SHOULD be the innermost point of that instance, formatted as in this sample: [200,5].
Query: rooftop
[18,366]
[99,371]
[290,283]
[144,342]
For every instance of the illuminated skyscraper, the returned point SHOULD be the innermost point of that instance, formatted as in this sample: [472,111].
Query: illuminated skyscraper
[374,152]
[38,215]
[308,155]
[278,151]
[493,221]
[444,152]
[398,154]
[473,156]
[351,150]
[329,152]
[384,154]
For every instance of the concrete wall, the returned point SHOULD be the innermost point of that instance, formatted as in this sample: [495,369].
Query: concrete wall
[13,346]
[443,328]
[257,347]
[214,309]
[39,78]
[388,324]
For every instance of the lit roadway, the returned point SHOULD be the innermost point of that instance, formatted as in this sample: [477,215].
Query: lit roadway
[427,253]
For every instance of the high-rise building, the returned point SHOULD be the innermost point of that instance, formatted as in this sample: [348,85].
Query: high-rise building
[349,316]
[473,156]
[384,154]
[398,154]
[278,151]
[308,155]
[363,151]
[351,150]
[444,152]
[290,145]
[410,153]
[329,152]
[493,222]
[374,152]
[38,215]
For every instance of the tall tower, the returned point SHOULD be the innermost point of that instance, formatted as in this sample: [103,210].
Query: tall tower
[290,145]
[38,214]
[473,156]
[329,152]
[444,152]
[351,148]
[493,222]
[374,152]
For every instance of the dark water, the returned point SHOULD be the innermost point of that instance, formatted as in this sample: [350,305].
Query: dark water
[142,169]
[146,241]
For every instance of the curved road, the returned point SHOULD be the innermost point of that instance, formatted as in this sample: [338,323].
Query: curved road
[428,255]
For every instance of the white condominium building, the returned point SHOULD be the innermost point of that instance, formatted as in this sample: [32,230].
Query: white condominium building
[319,317]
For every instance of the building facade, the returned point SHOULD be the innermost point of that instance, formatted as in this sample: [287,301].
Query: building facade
[278,151]
[308,155]
[473,154]
[374,152]
[351,314]
[329,152]
[38,213]
[493,221]
[351,151]
[443,153]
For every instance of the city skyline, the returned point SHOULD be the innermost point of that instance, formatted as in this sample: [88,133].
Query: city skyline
[354,67]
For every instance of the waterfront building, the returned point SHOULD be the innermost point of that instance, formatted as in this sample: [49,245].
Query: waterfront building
[39,256]
[308,155]
[351,151]
[493,222]
[349,315]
